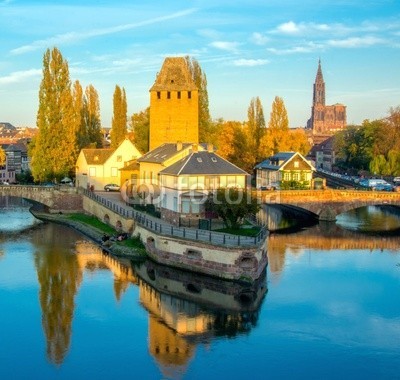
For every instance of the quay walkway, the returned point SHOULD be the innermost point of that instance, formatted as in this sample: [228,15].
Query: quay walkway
[163,228]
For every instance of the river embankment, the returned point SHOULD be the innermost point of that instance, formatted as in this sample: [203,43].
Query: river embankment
[111,246]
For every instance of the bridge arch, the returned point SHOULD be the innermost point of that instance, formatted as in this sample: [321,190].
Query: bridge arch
[328,204]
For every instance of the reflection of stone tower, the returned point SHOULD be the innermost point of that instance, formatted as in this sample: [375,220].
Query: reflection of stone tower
[174,105]
[325,120]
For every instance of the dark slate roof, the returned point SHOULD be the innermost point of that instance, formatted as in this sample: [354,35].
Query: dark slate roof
[271,163]
[174,76]
[5,125]
[97,156]
[162,153]
[203,163]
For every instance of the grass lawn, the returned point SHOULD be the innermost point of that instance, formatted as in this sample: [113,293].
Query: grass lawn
[92,221]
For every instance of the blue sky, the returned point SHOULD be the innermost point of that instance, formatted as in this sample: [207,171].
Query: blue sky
[263,48]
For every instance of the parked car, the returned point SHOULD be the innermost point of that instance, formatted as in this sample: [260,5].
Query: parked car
[396,180]
[112,187]
[383,187]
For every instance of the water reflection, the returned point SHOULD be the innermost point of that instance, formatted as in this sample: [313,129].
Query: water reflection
[186,309]
[15,215]
[371,219]
[59,277]
[323,237]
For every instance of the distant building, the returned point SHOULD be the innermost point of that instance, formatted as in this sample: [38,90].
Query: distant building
[284,167]
[174,114]
[325,120]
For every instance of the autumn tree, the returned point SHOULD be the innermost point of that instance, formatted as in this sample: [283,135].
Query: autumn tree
[3,157]
[80,127]
[140,128]
[206,127]
[119,119]
[233,144]
[256,127]
[278,118]
[91,117]
[55,149]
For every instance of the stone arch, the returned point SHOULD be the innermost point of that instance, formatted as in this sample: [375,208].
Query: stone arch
[118,226]
[106,219]
[247,262]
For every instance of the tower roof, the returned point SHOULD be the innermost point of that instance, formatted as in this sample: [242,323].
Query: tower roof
[319,77]
[174,76]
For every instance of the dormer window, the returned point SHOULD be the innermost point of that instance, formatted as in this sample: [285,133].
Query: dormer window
[199,159]
[213,159]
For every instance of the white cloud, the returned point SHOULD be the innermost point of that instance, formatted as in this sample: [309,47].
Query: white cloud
[73,37]
[306,48]
[225,45]
[20,76]
[355,42]
[250,62]
[259,39]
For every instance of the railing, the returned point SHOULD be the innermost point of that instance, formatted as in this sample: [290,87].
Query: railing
[166,229]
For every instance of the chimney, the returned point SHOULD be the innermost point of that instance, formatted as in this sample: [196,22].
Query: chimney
[195,148]
[210,148]
[179,146]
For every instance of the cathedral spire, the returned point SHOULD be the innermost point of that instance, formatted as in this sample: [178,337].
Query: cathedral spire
[319,87]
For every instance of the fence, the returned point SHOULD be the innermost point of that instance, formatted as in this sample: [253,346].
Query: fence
[162,228]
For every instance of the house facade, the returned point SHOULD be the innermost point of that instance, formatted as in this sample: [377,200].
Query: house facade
[97,167]
[186,184]
[284,170]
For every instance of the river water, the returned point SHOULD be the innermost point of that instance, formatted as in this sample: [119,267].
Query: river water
[326,308]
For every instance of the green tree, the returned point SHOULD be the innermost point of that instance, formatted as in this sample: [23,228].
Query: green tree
[140,127]
[55,148]
[206,127]
[232,205]
[91,116]
[82,137]
[256,127]
[118,125]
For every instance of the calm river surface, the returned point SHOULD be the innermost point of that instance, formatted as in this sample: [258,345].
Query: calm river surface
[327,308]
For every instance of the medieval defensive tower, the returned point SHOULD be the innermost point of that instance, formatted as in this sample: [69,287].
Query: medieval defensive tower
[325,120]
[174,105]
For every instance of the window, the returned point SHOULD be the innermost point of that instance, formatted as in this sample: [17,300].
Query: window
[213,159]
[189,94]
[296,164]
[114,172]
[199,159]
[92,172]
[168,94]
[175,204]
[158,95]
[179,94]
[119,158]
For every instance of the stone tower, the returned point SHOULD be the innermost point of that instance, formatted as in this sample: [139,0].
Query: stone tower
[174,114]
[325,120]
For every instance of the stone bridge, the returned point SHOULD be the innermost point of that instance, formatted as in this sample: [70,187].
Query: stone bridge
[327,204]
[57,199]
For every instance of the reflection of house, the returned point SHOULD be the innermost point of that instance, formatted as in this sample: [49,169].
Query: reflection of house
[284,168]
[97,167]
[186,184]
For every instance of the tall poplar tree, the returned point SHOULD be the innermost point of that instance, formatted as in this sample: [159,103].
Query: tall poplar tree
[91,115]
[118,126]
[279,117]
[78,102]
[55,149]
[256,126]
[2,157]
[206,127]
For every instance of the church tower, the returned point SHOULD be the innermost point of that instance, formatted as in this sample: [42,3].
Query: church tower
[325,120]
[174,114]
